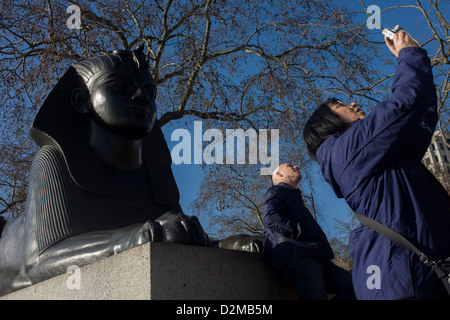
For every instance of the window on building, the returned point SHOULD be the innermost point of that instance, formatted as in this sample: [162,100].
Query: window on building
[441,145]
[445,158]
[427,161]
[433,147]
[436,158]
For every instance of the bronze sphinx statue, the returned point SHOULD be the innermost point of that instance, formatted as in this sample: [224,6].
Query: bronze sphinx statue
[101,182]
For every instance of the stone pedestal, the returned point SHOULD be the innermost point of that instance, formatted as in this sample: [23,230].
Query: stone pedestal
[156,271]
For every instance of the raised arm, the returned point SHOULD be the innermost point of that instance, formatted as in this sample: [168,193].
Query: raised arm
[394,125]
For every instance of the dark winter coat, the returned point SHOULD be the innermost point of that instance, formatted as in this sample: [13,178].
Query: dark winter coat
[288,224]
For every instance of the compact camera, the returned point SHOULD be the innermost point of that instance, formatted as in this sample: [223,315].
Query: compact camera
[389,33]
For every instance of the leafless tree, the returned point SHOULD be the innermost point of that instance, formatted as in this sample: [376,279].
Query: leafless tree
[433,34]
[352,74]
[247,63]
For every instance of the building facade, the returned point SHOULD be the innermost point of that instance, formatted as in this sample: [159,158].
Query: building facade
[437,157]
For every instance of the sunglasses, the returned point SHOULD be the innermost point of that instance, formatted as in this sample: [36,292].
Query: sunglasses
[334,101]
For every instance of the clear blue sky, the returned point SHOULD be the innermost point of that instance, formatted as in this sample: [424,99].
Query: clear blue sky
[189,176]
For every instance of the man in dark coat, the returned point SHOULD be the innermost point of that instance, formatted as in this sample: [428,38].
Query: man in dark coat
[374,162]
[296,244]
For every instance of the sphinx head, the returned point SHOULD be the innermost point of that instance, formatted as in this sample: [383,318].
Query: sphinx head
[119,93]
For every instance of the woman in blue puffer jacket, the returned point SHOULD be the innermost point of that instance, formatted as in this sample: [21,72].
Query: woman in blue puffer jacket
[374,162]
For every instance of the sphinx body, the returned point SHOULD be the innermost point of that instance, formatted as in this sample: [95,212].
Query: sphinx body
[101,182]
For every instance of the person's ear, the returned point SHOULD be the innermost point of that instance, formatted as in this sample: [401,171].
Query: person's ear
[81,100]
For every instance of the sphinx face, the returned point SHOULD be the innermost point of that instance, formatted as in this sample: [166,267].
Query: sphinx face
[123,102]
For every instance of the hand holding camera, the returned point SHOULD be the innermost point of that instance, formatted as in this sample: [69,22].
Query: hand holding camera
[397,39]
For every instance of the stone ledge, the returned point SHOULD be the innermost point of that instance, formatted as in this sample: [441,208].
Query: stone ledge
[160,271]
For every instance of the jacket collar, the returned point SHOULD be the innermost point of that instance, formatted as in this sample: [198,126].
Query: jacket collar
[286,186]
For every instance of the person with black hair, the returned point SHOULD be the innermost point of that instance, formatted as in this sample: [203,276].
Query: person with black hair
[324,122]
[374,162]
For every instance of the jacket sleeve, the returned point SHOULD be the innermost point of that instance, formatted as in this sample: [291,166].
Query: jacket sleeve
[402,123]
[274,216]
[422,138]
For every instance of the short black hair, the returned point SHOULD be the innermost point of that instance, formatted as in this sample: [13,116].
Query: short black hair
[322,124]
